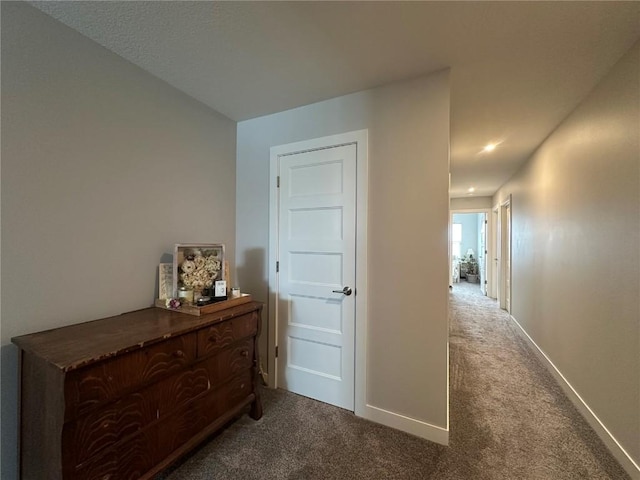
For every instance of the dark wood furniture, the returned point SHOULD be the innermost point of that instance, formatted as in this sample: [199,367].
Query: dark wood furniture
[123,397]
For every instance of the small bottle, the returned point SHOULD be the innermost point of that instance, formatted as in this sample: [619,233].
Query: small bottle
[235,292]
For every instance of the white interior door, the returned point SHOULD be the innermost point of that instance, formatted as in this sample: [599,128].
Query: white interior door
[316,255]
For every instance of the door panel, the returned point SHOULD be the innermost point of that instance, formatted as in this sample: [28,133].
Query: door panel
[314,312]
[315,268]
[316,251]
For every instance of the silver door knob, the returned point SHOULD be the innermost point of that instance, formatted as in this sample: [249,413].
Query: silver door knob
[345,291]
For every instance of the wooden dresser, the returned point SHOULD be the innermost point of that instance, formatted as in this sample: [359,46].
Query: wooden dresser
[123,397]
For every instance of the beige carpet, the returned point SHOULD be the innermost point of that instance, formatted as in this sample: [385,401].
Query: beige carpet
[509,420]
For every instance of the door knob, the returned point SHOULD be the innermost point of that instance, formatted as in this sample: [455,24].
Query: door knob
[345,291]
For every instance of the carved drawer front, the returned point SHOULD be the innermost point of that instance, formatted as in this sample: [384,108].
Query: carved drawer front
[180,389]
[84,388]
[216,337]
[138,456]
[237,390]
[180,428]
[226,396]
[103,468]
[101,429]
[231,360]
[124,462]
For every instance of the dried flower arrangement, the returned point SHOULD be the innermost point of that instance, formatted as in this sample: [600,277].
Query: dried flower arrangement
[197,267]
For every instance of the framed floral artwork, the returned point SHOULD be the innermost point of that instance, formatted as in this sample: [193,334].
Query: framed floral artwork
[197,266]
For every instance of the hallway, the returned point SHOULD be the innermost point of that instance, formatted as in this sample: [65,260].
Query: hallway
[507,412]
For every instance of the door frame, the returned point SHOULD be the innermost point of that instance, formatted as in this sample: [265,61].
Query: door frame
[504,248]
[488,246]
[495,260]
[360,139]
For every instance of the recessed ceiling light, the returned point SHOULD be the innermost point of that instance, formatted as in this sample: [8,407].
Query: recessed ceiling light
[471,189]
[490,147]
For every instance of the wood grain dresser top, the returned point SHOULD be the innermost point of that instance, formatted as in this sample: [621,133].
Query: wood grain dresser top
[69,348]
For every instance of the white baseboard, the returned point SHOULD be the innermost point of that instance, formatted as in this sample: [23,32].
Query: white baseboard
[406,424]
[620,454]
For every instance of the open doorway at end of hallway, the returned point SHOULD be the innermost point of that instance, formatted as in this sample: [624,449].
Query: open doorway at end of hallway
[469,249]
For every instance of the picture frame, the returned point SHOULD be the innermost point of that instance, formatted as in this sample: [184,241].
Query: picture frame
[197,265]
[165,281]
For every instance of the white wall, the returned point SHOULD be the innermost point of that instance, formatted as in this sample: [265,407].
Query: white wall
[408,127]
[471,203]
[104,169]
[469,222]
[576,239]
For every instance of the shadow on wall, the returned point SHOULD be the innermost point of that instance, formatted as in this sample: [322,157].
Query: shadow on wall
[9,411]
[253,279]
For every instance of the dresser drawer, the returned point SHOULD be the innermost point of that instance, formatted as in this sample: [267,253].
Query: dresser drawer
[103,468]
[225,397]
[237,390]
[180,427]
[229,361]
[215,338]
[102,428]
[124,462]
[108,379]
[180,389]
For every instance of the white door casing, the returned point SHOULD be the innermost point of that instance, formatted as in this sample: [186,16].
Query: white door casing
[504,259]
[482,252]
[507,273]
[318,242]
[494,254]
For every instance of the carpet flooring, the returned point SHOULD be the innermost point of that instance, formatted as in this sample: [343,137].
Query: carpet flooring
[509,420]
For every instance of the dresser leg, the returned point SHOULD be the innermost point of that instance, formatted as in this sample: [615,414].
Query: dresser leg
[256,408]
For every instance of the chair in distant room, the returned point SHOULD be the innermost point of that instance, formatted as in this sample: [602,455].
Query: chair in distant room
[455,270]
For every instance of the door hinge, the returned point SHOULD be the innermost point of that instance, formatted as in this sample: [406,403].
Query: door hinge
[278,181]
[277,267]
[485,282]
[277,351]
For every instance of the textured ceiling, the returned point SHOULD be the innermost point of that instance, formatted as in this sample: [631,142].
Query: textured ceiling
[517,68]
